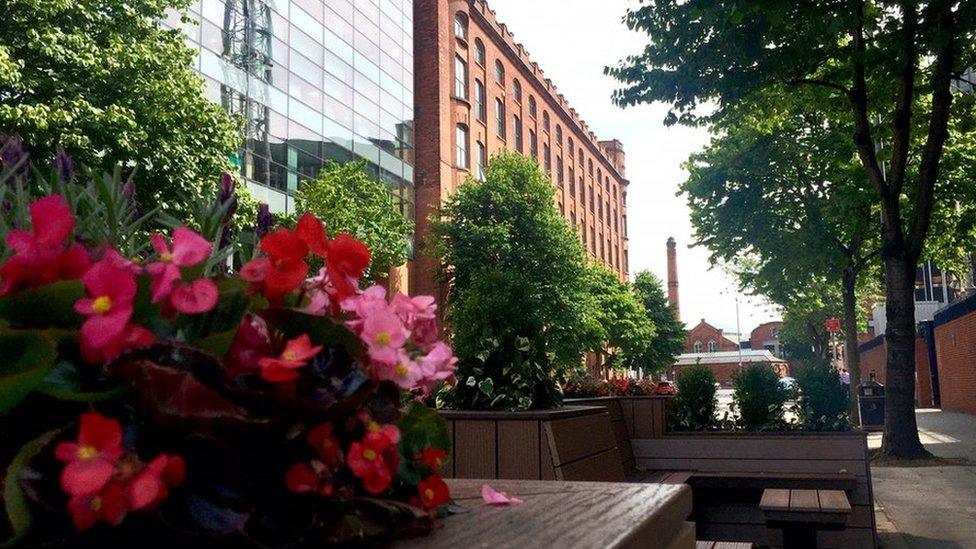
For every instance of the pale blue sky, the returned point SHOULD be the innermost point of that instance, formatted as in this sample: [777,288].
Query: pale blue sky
[572,40]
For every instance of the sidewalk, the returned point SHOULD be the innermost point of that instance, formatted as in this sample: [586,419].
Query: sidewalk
[923,507]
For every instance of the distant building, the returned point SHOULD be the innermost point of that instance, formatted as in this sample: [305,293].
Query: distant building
[705,338]
[724,364]
[766,336]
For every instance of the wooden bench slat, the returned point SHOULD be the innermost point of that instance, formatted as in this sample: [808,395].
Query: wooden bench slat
[775,499]
[804,500]
[705,545]
[732,545]
[834,501]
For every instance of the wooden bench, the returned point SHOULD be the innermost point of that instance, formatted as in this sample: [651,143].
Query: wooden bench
[800,513]
[760,480]
[723,545]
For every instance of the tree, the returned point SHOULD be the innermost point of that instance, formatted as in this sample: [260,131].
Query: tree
[804,335]
[104,81]
[894,61]
[669,336]
[778,177]
[626,328]
[350,201]
[518,302]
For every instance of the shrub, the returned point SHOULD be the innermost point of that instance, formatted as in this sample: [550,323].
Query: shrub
[824,400]
[693,408]
[759,398]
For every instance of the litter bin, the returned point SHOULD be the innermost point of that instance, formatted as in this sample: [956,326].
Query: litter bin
[871,404]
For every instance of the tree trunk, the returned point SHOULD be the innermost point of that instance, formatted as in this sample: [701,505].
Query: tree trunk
[851,351]
[900,430]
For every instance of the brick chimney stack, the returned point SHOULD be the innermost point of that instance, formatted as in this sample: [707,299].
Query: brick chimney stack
[673,276]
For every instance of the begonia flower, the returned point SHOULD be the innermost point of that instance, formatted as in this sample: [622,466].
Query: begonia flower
[153,484]
[432,458]
[189,249]
[325,444]
[90,460]
[109,505]
[109,305]
[384,335]
[373,462]
[433,492]
[285,368]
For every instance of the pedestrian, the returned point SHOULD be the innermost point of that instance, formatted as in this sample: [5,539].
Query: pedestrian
[845,376]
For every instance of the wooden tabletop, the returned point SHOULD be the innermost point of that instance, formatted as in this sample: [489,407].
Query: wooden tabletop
[566,515]
[805,505]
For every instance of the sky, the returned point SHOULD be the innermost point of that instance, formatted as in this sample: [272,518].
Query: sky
[573,40]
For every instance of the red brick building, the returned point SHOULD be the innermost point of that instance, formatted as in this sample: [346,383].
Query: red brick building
[477,93]
[766,336]
[725,364]
[955,350]
[874,355]
[705,338]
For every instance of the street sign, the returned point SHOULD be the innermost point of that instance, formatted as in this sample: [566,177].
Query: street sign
[832,324]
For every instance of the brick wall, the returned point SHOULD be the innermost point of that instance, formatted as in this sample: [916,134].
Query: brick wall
[705,332]
[955,347]
[874,357]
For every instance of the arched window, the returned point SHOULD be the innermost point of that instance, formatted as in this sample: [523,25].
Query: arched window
[516,90]
[532,106]
[569,144]
[500,118]
[460,77]
[499,73]
[599,176]
[461,26]
[480,105]
[545,120]
[590,169]
[581,158]
[712,346]
[559,134]
[479,52]
[461,148]
[698,346]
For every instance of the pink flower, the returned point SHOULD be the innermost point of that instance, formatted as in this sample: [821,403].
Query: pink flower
[111,292]
[108,505]
[91,458]
[411,309]
[132,337]
[152,485]
[384,335]
[189,249]
[439,365]
[297,353]
[494,497]
[404,372]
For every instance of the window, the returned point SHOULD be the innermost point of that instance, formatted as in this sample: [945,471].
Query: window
[482,160]
[532,106]
[547,158]
[712,346]
[533,145]
[545,120]
[499,73]
[460,78]
[582,199]
[559,134]
[599,176]
[590,167]
[581,157]
[569,145]
[480,108]
[461,148]
[601,210]
[461,26]
[698,346]
[500,118]
[559,170]
[517,90]
[572,180]
[572,218]
[592,202]
[517,129]
[479,52]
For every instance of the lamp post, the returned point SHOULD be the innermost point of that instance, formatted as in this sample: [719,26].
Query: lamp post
[738,331]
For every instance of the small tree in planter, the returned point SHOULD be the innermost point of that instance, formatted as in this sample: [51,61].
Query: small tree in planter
[693,407]
[823,403]
[759,398]
[669,332]
[517,304]
[625,327]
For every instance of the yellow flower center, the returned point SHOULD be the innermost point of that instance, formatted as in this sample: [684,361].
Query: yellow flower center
[102,304]
[429,494]
[402,370]
[166,256]
[87,452]
[369,454]
[373,427]
[96,503]
[289,355]
[383,338]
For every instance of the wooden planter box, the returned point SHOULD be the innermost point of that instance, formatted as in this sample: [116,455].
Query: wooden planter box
[571,443]
[731,512]
[632,417]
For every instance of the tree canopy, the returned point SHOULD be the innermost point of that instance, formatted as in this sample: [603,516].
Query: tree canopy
[627,329]
[104,81]
[669,331]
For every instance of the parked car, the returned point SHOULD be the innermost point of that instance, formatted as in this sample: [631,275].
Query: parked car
[788,383]
[665,388]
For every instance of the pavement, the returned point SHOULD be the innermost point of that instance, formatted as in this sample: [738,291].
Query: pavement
[930,505]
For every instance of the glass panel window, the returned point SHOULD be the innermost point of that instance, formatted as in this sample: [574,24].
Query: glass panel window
[460,78]
[559,170]
[545,120]
[500,118]
[500,73]
[532,108]
[533,144]
[482,160]
[559,134]
[572,180]
[547,158]
[461,149]
[517,129]
[479,52]
[517,90]
[460,26]
[481,109]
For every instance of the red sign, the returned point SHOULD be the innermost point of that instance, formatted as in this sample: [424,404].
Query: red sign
[832,324]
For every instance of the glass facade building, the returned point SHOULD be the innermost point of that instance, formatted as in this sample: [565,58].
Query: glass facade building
[312,81]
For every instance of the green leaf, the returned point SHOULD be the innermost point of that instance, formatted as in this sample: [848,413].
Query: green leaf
[64,383]
[25,358]
[44,306]
[487,386]
[14,501]
[214,331]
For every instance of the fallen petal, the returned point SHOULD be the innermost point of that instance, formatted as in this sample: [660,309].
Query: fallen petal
[494,497]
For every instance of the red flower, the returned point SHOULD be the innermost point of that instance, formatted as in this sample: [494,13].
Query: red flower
[347,259]
[90,459]
[132,337]
[108,505]
[373,461]
[40,256]
[325,444]
[433,492]
[285,368]
[311,230]
[152,485]
[249,346]
[284,268]
[111,291]
[305,478]
[432,458]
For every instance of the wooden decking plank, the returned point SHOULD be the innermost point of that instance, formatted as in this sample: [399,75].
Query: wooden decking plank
[775,499]
[834,501]
[705,545]
[804,501]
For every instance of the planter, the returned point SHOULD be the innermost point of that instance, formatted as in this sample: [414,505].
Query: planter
[571,443]
[727,508]
[632,417]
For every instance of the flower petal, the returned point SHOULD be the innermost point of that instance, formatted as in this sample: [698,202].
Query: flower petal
[196,297]
[189,248]
[494,497]
[86,476]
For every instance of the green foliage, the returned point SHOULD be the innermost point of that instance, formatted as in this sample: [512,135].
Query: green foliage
[823,404]
[104,81]
[348,200]
[627,328]
[669,331]
[758,399]
[14,502]
[420,427]
[694,404]
[25,358]
[518,303]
